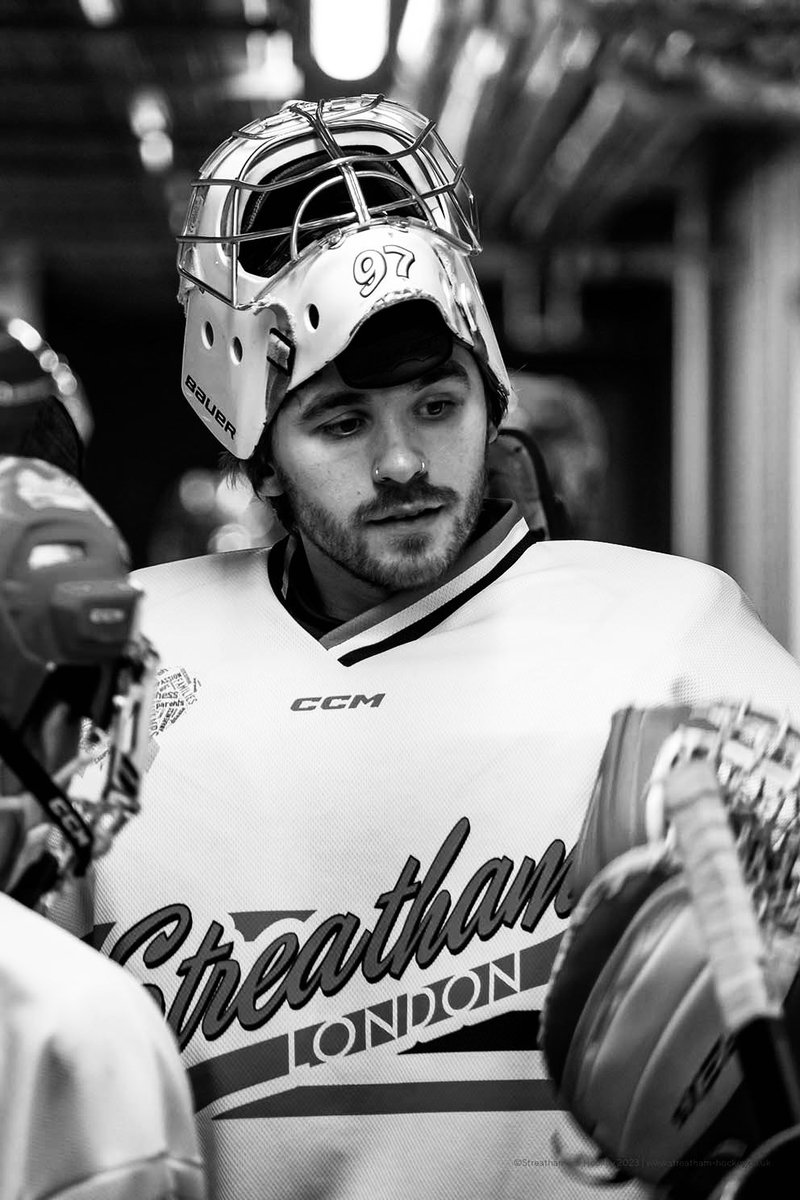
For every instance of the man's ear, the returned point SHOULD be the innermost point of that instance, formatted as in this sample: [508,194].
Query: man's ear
[270,484]
[264,463]
[491,433]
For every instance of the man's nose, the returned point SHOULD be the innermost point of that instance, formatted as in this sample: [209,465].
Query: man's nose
[399,461]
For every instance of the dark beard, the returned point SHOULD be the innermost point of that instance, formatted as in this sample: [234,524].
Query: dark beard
[410,568]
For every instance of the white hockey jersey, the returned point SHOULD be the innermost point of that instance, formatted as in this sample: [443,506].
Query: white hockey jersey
[94,1104]
[351,876]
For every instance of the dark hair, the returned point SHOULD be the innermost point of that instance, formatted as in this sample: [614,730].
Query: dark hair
[254,469]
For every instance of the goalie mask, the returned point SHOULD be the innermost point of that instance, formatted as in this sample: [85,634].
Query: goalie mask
[301,227]
[76,677]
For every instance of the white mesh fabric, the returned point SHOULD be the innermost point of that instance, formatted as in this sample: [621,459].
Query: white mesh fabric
[263,822]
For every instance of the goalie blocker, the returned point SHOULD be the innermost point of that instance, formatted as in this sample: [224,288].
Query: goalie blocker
[632,1031]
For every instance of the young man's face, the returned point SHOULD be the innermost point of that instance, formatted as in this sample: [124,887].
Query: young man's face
[387,482]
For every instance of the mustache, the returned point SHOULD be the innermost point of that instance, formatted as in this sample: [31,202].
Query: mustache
[393,495]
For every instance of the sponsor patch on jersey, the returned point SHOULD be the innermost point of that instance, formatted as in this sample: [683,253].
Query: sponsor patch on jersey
[176,690]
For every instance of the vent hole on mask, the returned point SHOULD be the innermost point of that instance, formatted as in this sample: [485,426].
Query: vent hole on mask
[236,351]
[207,334]
[312,314]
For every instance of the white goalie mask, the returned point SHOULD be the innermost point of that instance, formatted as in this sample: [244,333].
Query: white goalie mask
[300,227]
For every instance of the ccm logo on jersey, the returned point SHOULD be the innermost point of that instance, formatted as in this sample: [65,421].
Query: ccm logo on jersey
[208,404]
[308,703]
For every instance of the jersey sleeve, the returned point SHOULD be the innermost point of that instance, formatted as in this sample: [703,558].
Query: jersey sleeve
[718,648]
[94,1103]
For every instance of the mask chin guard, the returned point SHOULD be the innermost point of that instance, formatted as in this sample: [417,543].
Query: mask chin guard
[84,827]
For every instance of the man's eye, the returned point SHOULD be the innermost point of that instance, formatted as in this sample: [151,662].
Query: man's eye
[439,406]
[343,427]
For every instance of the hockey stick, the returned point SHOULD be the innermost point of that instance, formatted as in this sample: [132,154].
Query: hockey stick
[737,954]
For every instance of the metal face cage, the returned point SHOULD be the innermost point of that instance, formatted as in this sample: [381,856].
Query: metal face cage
[372,159]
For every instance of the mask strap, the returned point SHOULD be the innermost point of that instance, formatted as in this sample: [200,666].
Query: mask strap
[38,880]
[55,802]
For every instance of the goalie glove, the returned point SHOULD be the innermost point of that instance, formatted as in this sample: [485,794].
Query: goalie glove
[631,1029]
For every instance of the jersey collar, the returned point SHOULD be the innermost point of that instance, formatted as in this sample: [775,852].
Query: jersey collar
[503,536]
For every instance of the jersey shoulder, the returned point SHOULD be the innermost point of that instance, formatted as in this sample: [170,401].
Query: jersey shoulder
[34,952]
[165,581]
[630,570]
[88,1068]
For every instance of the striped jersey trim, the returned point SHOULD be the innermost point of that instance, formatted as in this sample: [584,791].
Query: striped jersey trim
[407,616]
[424,624]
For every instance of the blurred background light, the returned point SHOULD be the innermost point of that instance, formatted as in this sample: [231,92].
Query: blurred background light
[255,11]
[197,491]
[156,151]
[25,334]
[415,37]
[349,38]
[230,536]
[482,57]
[100,12]
[149,118]
[271,72]
[148,112]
